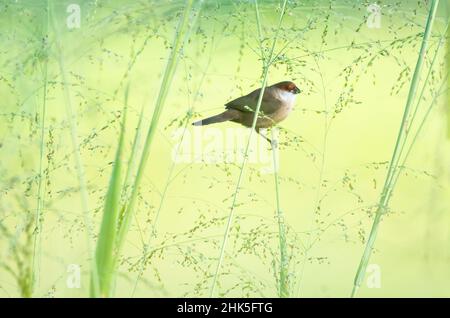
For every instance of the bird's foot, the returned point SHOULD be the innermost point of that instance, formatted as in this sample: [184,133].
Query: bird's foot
[274,144]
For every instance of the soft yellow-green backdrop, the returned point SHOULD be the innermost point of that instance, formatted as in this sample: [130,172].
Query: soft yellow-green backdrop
[333,156]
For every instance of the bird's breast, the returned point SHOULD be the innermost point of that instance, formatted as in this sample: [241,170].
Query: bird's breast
[287,101]
[287,98]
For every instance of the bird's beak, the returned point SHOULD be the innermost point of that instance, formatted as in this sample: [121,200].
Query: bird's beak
[297,90]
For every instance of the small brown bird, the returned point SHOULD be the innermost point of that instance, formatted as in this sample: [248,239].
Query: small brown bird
[277,103]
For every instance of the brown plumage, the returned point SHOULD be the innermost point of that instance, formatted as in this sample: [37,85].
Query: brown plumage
[278,101]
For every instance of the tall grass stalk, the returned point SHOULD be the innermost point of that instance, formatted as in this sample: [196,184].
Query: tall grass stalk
[316,205]
[422,92]
[154,224]
[131,165]
[267,61]
[132,160]
[71,117]
[427,113]
[393,165]
[35,263]
[283,282]
[105,251]
[180,38]
[437,94]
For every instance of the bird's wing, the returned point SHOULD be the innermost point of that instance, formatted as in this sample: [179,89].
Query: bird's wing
[249,102]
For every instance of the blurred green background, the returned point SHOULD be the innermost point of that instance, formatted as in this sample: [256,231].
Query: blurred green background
[334,148]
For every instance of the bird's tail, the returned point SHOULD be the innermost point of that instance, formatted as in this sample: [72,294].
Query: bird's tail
[225,116]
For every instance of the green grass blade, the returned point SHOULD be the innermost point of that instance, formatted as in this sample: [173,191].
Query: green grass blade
[132,160]
[105,251]
[420,128]
[420,99]
[154,224]
[393,165]
[35,263]
[169,72]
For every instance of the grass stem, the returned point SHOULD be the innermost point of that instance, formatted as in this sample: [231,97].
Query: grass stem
[266,64]
[393,164]
[35,263]
[283,282]
[71,116]
[105,252]
[180,38]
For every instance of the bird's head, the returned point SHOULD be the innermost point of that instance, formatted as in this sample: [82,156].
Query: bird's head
[288,86]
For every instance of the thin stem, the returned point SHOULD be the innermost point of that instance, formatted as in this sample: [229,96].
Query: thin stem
[169,72]
[393,165]
[283,288]
[419,99]
[71,115]
[40,191]
[259,26]
[327,124]
[266,64]
[132,160]
[419,129]
[152,233]
[154,225]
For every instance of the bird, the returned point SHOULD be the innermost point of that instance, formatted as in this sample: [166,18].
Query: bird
[277,103]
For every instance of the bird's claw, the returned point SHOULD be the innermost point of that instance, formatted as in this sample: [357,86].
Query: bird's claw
[274,144]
